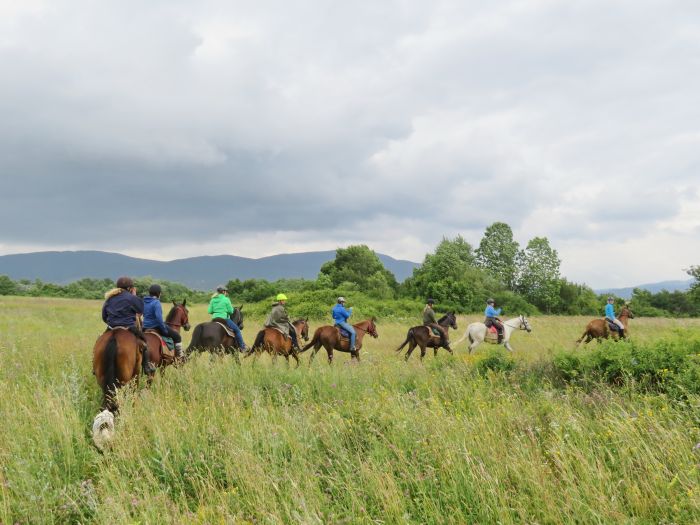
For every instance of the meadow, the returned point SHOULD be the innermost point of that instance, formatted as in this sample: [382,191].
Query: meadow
[449,440]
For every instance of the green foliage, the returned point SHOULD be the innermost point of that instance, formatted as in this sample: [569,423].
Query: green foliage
[664,303]
[496,361]
[577,299]
[361,266]
[671,365]
[497,252]
[7,286]
[538,274]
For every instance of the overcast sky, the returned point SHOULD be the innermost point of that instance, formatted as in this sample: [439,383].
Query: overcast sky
[175,128]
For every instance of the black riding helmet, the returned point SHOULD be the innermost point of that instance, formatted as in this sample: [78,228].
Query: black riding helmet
[155,290]
[430,300]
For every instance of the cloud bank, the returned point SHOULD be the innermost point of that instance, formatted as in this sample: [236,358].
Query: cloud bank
[180,128]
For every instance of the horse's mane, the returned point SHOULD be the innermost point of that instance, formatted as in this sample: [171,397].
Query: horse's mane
[444,317]
[171,313]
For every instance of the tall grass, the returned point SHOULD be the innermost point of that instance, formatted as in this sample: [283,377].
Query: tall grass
[446,441]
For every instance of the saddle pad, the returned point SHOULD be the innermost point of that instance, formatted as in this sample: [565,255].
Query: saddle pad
[278,330]
[343,332]
[223,324]
[164,341]
[493,329]
[613,327]
[435,331]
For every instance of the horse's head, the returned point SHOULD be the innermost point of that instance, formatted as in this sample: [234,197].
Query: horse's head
[179,316]
[449,319]
[237,316]
[371,327]
[303,325]
[524,325]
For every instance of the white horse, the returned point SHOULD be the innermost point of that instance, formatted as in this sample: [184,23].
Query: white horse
[478,333]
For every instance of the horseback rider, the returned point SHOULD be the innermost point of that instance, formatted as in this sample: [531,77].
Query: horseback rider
[491,318]
[340,318]
[153,318]
[120,309]
[220,307]
[430,321]
[279,320]
[610,316]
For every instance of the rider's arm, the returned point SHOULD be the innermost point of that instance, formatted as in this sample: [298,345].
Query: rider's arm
[159,316]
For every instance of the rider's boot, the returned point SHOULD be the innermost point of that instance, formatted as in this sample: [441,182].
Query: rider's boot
[148,367]
[178,351]
[500,338]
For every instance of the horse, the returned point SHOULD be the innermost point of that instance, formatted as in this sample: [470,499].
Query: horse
[116,360]
[329,337]
[423,337]
[177,318]
[478,333]
[276,343]
[211,336]
[598,328]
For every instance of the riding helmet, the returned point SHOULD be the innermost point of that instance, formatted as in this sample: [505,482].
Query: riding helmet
[281,297]
[155,290]
[221,288]
[490,301]
[611,298]
[341,299]
[125,283]
[430,301]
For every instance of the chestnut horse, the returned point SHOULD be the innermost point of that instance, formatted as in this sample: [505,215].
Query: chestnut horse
[329,338]
[177,318]
[116,360]
[212,336]
[275,343]
[598,328]
[423,337]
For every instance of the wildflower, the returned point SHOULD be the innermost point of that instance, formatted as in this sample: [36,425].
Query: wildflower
[696,447]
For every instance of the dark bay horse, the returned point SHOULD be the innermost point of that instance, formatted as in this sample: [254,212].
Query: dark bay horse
[116,360]
[599,329]
[275,343]
[212,336]
[177,318]
[329,338]
[423,337]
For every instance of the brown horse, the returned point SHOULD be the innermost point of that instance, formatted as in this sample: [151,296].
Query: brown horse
[211,336]
[116,360]
[275,343]
[598,328]
[329,337]
[177,318]
[423,337]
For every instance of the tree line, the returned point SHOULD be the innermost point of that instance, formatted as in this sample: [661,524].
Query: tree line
[458,276]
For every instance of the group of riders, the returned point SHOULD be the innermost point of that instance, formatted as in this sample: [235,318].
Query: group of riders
[122,308]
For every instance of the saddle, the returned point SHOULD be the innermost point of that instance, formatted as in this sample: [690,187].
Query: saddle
[344,334]
[223,324]
[613,327]
[435,331]
[492,329]
[167,345]
[286,336]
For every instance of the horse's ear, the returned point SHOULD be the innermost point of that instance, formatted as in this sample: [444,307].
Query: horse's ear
[240,307]
[174,303]
[184,301]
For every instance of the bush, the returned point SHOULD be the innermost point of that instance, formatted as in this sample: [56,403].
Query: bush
[496,361]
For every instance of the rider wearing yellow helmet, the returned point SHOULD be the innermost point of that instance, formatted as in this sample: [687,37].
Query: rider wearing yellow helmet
[279,319]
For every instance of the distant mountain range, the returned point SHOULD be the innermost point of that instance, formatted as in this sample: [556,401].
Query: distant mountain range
[199,273]
[670,286]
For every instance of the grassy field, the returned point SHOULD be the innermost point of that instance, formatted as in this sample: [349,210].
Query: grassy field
[381,442]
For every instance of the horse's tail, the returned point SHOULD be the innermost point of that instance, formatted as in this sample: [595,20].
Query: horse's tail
[469,335]
[196,338]
[315,341]
[409,336]
[258,344]
[110,367]
[585,333]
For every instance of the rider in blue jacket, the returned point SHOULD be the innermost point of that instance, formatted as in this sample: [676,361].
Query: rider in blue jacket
[610,316]
[340,318]
[491,318]
[153,318]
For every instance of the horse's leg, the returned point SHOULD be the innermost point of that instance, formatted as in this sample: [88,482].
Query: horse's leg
[423,350]
[296,358]
[329,351]
[473,346]
[411,347]
[507,345]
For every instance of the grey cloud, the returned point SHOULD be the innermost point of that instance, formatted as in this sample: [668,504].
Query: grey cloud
[195,121]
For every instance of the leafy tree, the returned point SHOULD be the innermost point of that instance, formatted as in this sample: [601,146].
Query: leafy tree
[538,274]
[577,299]
[361,266]
[8,286]
[497,252]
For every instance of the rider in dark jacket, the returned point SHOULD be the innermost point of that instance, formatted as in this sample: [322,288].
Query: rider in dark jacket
[430,321]
[120,309]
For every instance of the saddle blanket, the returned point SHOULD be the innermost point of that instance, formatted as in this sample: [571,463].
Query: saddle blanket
[343,332]
[223,324]
[164,341]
